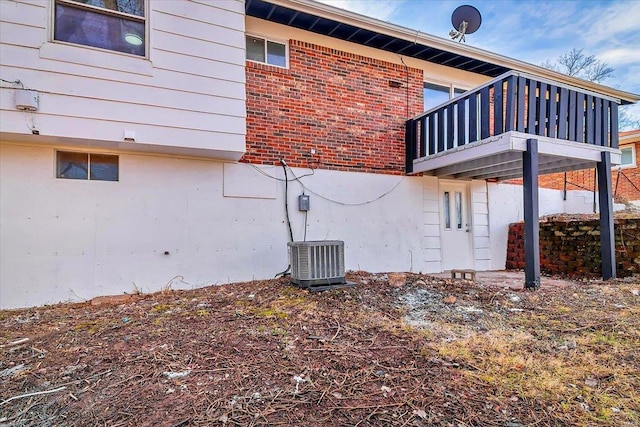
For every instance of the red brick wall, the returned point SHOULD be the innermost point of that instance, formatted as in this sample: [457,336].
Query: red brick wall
[337,103]
[623,186]
[572,248]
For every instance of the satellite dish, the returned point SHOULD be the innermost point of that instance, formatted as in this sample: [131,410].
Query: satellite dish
[466,20]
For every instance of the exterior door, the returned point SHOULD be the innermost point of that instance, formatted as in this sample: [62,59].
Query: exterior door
[455,226]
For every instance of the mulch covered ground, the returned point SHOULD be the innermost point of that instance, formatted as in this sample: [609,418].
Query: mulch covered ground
[432,352]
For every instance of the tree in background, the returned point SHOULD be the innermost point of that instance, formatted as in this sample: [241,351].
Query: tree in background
[577,64]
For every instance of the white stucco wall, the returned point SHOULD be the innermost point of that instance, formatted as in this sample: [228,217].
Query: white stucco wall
[506,206]
[72,240]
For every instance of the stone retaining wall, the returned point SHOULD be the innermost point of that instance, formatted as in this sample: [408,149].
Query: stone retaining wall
[572,248]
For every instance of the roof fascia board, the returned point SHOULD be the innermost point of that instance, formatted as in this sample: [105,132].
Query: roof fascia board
[633,136]
[372,24]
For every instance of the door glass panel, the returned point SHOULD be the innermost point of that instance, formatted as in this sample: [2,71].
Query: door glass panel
[447,211]
[459,210]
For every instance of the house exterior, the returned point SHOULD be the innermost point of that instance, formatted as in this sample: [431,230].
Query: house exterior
[166,144]
[625,177]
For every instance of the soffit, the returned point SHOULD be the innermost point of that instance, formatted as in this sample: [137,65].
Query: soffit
[330,21]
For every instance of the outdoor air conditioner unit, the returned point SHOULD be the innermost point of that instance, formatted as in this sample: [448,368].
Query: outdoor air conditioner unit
[317,263]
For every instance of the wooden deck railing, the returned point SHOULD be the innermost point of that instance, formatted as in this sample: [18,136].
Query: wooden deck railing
[514,102]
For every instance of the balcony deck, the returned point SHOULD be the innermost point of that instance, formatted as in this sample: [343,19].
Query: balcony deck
[482,134]
[518,125]
[500,157]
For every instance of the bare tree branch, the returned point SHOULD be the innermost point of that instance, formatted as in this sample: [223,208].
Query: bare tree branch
[577,64]
[626,120]
[599,71]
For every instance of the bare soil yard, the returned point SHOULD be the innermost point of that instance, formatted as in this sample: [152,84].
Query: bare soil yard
[432,352]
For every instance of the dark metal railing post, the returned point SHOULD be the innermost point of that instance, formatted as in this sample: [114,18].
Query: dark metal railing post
[498,105]
[510,108]
[410,144]
[484,112]
[473,117]
[423,137]
[552,114]
[613,119]
[563,113]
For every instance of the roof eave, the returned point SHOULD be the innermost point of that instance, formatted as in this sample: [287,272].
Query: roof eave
[372,24]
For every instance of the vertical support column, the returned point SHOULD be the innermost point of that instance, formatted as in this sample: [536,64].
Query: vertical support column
[607,241]
[531,216]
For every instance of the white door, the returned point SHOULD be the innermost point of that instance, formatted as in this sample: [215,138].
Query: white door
[455,226]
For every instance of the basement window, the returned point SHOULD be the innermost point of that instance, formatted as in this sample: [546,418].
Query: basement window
[266,51]
[86,166]
[117,25]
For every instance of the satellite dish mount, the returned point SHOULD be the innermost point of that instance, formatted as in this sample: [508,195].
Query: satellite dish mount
[466,20]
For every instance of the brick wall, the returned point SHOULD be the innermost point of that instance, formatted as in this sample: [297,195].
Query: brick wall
[573,247]
[623,185]
[339,104]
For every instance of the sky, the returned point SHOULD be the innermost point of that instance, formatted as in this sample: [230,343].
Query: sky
[531,31]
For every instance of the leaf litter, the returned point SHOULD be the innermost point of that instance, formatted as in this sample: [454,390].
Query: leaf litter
[431,352]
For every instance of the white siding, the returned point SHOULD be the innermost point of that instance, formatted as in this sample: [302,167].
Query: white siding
[432,253]
[188,94]
[480,222]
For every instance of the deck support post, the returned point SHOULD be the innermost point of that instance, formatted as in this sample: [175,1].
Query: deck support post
[607,241]
[531,215]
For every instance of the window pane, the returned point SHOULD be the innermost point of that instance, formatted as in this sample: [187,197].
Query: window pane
[89,28]
[132,7]
[104,167]
[459,210]
[457,91]
[434,95]
[447,211]
[72,165]
[627,156]
[255,49]
[276,54]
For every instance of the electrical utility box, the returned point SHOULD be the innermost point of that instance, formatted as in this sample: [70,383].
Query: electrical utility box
[303,203]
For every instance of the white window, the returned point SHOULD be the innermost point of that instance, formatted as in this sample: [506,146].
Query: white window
[628,156]
[95,167]
[266,51]
[435,94]
[117,25]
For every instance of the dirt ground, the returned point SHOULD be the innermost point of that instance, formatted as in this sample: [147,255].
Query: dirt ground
[430,352]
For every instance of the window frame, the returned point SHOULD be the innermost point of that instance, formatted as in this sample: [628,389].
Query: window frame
[633,164]
[103,11]
[88,156]
[266,40]
[450,86]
